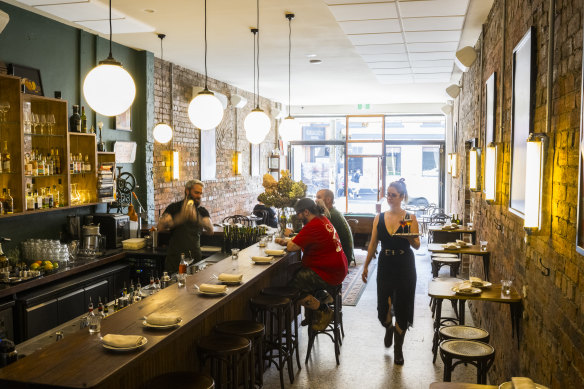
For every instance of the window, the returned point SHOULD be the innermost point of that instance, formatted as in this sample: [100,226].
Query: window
[393,161]
[430,161]
[415,127]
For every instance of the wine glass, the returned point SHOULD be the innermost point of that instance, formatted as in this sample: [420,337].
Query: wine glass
[43,123]
[4,108]
[35,122]
[27,121]
[51,121]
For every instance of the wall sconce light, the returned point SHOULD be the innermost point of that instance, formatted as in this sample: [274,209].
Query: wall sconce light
[474,169]
[237,163]
[533,181]
[465,57]
[447,109]
[490,182]
[175,165]
[453,91]
[454,163]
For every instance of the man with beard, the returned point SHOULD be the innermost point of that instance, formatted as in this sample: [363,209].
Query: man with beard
[338,221]
[324,264]
[186,220]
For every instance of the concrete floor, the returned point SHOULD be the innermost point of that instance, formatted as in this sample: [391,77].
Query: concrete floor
[365,362]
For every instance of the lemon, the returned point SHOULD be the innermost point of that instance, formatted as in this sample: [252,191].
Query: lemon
[48,266]
[34,266]
[55,265]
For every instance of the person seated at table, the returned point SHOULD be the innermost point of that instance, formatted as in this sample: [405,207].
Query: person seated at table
[324,264]
[260,209]
[339,222]
[396,274]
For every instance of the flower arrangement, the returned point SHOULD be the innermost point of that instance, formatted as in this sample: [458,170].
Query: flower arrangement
[282,193]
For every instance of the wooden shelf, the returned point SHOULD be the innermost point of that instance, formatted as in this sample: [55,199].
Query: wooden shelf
[81,134]
[106,153]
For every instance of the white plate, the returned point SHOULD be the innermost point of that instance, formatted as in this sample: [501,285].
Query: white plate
[473,291]
[142,343]
[154,326]
[509,385]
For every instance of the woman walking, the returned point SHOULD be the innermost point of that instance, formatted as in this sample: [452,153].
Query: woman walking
[396,275]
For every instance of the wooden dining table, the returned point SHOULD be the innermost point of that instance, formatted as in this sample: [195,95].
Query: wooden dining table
[80,361]
[453,233]
[441,288]
[459,385]
[474,250]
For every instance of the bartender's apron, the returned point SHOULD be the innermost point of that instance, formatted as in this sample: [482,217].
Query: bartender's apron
[186,238]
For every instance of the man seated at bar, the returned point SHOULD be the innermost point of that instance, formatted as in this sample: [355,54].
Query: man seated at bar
[339,222]
[323,262]
[261,208]
[185,220]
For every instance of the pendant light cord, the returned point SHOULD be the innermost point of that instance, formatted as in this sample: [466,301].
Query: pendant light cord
[254,67]
[258,54]
[110,26]
[289,60]
[205,44]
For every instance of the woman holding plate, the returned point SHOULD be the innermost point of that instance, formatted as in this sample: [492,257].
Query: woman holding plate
[396,277]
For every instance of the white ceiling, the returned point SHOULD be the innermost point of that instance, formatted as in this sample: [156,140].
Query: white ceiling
[373,51]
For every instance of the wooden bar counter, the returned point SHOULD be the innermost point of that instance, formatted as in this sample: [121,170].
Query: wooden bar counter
[80,361]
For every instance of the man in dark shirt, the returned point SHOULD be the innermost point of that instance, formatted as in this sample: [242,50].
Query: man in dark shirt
[186,220]
[263,210]
[339,222]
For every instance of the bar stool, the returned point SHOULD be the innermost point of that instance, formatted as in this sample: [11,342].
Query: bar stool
[181,380]
[462,332]
[333,329]
[226,353]
[274,313]
[478,354]
[439,260]
[292,294]
[253,331]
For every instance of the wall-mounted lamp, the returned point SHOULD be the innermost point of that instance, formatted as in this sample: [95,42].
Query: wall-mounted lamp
[453,90]
[237,163]
[465,57]
[533,180]
[238,101]
[447,109]
[454,163]
[490,181]
[175,165]
[474,168]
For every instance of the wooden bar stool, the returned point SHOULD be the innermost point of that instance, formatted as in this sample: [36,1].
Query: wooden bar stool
[478,354]
[253,331]
[274,313]
[451,260]
[181,380]
[333,331]
[226,354]
[462,332]
[292,294]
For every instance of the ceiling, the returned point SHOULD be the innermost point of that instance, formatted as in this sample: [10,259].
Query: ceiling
[372,51]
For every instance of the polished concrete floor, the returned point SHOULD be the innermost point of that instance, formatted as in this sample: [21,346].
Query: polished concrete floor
[364,361]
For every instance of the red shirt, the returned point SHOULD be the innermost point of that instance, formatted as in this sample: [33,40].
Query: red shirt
[322,250]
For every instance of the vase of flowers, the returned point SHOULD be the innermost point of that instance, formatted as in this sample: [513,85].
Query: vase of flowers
[281,194]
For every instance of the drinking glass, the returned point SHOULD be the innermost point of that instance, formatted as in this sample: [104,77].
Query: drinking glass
[4,108]
[43,123]
[27,120]
[234,254]
[51,123]
[35,123]
[506,287]
[484,245]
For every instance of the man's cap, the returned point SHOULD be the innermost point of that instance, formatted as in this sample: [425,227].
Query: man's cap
[304,203]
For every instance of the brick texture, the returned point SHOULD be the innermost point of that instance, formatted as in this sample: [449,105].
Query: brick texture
[551,349]
[228,194]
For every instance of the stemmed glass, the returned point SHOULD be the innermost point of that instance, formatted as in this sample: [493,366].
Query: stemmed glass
[27,121]
[51,123]
[43,122]
[35,122]
[4,108]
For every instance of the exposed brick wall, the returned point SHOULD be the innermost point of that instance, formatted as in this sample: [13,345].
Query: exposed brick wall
[229,194]
[551,349]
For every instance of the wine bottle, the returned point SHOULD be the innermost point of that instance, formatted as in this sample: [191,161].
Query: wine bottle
[83,119]
[75,120]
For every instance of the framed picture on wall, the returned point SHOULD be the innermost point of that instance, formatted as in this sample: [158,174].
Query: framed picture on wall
[521,117]
[580,213]
[31,78]
[490,109]
[124,120]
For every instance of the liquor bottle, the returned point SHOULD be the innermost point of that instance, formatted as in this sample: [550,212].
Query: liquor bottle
[105,309]
[83,119]
[57,162]
[75,120]
[56,197]
[93,320]
[29,200]
[50,199]
[80,163]
[8,204]
[71,163]
[39,200]
[6,159]
[87,164]
[131,293]
[182,271]
[100,309]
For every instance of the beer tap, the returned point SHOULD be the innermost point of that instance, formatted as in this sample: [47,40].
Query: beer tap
[140,212]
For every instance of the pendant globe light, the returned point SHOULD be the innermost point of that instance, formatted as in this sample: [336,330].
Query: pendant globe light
[108,88]
[205,110]
[290,128]
[162,132]
[257,123]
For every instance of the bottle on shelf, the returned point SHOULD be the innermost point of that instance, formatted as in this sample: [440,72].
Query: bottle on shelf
[100,310]
[75,120]
[60,194]
[71,163]
[6,159]
[87,164]
[83,119]
[79,160]
[29,199]
[39,200]
[57,162]
[8,203]
[2,210]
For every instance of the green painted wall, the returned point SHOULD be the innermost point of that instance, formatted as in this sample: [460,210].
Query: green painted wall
[64,55]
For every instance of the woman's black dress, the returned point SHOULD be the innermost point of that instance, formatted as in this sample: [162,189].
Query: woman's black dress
[396,276]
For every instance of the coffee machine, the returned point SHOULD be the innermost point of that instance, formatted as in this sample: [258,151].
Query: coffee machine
[114,226]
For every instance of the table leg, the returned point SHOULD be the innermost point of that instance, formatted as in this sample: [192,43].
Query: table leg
[437,319]
[516,309]
[486,265]
[461,303]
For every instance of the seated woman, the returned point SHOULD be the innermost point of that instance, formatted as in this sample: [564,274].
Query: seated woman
[261,210]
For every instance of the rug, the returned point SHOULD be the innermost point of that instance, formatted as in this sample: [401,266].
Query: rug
[353,285]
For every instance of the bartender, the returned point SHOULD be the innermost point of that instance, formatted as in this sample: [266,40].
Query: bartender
[185,220]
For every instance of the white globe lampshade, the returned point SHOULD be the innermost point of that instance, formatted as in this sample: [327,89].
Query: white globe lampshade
[257,126]
[109,89]
[205,110]
[290,129]
[162,133]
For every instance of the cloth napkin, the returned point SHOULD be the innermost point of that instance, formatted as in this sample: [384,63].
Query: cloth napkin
[262,259]
[275,252]
[122,341]
[163,319]
[465,287]
[210,288]
[450,245]
[230,277]
[476,282]
[522,383]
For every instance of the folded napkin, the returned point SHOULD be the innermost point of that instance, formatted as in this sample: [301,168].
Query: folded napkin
[122,341]
[450,245]
[262,259]
[522,383]
[163,319]
[465,287]
[210,288]
[275,252]
[230,277]
[476,282]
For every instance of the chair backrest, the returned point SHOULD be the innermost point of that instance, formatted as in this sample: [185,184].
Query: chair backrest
[439,218]
[238,219]
[264,215]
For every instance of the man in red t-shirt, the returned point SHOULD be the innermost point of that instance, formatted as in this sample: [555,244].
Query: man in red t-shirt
[323,261]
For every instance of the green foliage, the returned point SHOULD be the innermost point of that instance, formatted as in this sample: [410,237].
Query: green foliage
[284,194]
